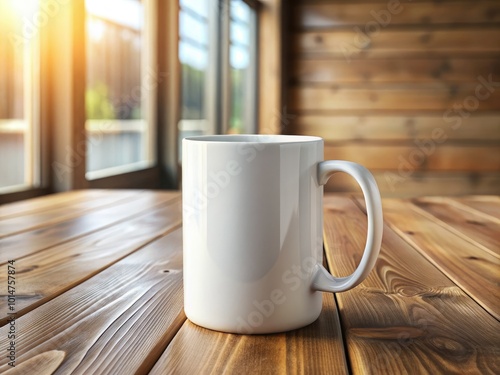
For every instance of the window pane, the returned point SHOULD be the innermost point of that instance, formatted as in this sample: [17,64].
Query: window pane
[242,65]
[116,90]
[194,55]
[18,117]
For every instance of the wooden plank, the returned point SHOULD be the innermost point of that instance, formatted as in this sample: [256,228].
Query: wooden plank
[37,204]
[408,98]
[41,364]
[314,349]
[118,322]
[391,42]
[476,127]
[333,15]
[49,273]
[488,205]
[406,317]
[60,212]
[394,184]
[449,252]
[27,243]
[391,71]
[472,227]
[409,159]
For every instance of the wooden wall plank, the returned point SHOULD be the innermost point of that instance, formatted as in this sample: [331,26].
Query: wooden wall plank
[392,183]
[395,43]
[385,98]
[370,127]
[332,15]
[396,70]
[35,240]
[212,352]
[396,320]
[49,273]
[473,227]
[140,309]
[481,279]
[438,157]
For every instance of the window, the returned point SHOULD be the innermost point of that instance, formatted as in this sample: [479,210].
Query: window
[242,62]
[217,51]
[119,86]
[19,73]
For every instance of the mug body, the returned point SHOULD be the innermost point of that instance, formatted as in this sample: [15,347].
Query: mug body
[252,231]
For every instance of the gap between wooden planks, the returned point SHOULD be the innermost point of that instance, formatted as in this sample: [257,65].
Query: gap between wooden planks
[407,316]
[119,321]
[26,243]
[489,205]
[472,226]
[43,202]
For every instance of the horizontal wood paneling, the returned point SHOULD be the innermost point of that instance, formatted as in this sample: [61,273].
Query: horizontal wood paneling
[330,15]
[397,70]
[375,98]
[411,184]
[429,157]
[346,43]
[377,80]
[397,128]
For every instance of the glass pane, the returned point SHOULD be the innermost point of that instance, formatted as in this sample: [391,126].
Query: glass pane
[194,54]
[18,66]
[242,65]
[192,28]
[116,89]
[196,6]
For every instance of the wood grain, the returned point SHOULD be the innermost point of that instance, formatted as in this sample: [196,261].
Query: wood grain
[370,127]
[406,317]
[46,201]
[45,275]
[409,159]
[26,243]
[395,43]
[332,15]
[375,98]
[472,227]
[314,349]
[489,205]
[119,321]
[470,267]
[41,364]
[398,70]
[59,213]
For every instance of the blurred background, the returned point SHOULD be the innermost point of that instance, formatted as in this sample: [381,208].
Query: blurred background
[100,93]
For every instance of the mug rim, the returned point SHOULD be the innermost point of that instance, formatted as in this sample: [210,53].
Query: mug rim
[253,138]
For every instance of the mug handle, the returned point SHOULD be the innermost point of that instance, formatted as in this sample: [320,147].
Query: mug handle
[322,279]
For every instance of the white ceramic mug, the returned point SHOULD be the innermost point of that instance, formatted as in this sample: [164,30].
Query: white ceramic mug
[252,231]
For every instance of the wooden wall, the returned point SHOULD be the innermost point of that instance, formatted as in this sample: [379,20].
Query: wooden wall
[401,87]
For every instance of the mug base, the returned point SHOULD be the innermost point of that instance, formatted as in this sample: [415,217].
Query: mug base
[259,330]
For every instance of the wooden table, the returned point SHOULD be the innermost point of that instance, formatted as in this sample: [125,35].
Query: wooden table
[98,289]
